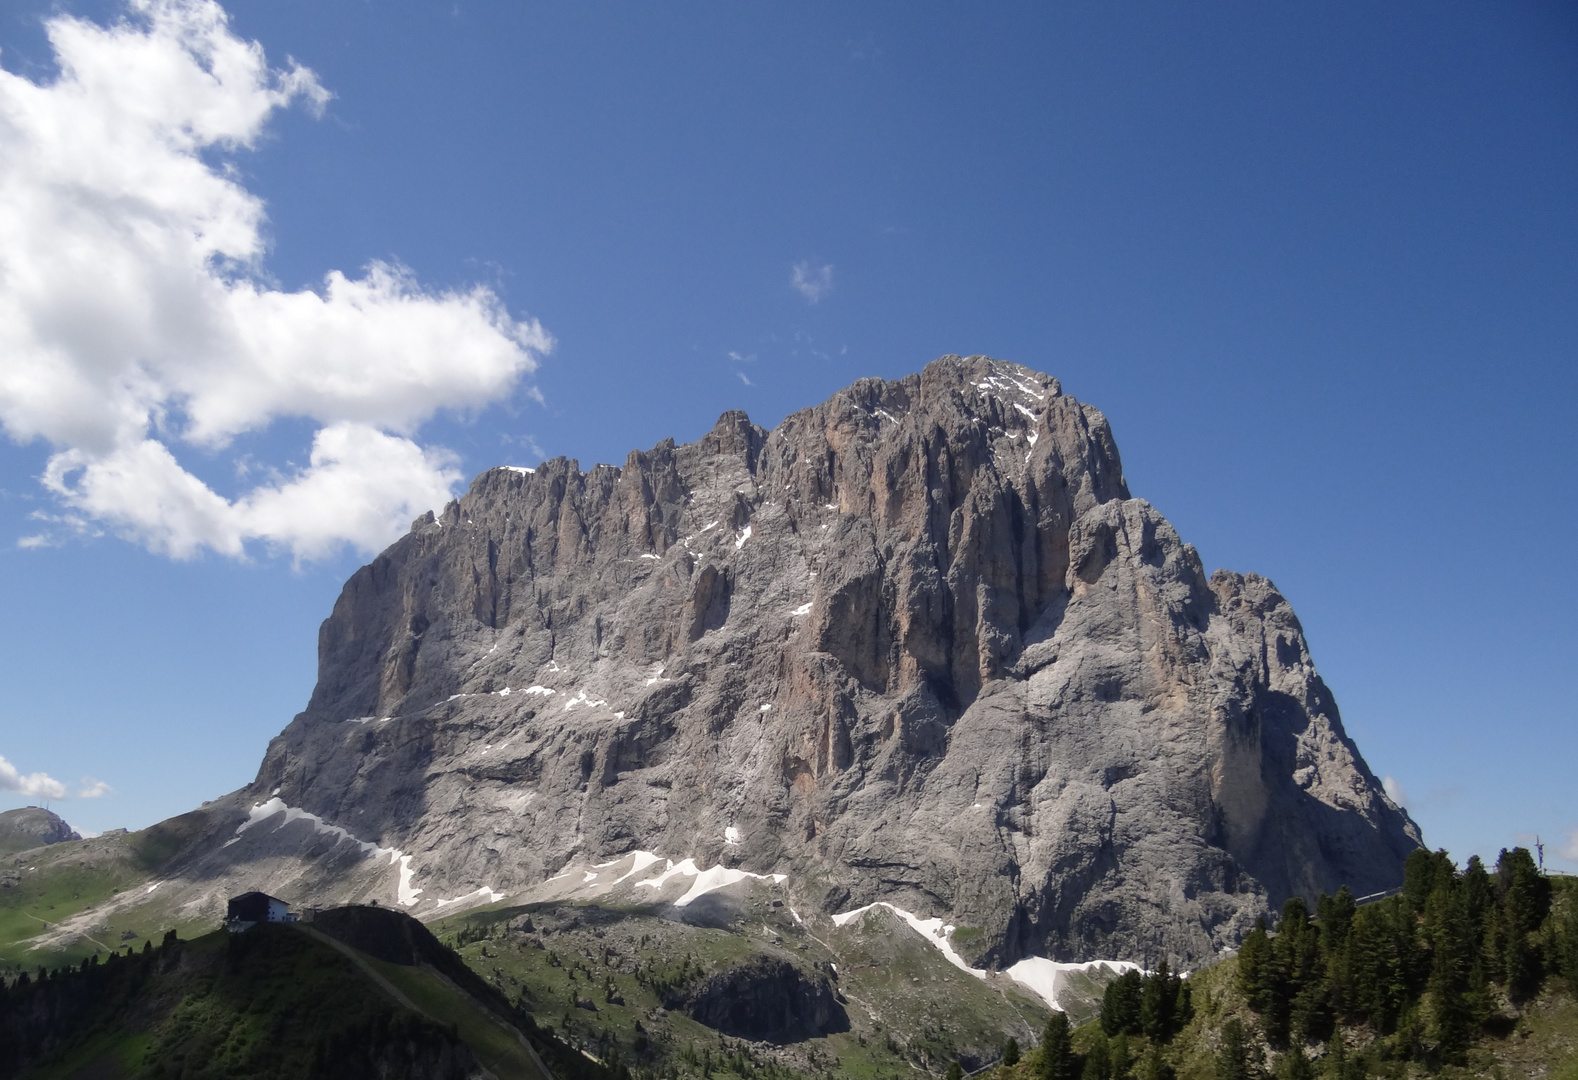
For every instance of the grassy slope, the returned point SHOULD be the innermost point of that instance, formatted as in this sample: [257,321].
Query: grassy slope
[497,1044]
[908,1007]
[42,888]
[265,1010]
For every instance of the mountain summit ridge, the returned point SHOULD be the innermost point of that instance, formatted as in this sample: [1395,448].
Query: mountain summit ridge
[917,644]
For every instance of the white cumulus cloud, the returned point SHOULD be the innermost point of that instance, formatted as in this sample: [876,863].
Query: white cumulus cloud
[811,281]
[33,785]
[1394,790]
[137,322]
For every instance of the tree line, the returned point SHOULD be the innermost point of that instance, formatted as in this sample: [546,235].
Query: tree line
[1426,970]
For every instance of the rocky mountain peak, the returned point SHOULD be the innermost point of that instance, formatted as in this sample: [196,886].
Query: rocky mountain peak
[916,644]
[30,827]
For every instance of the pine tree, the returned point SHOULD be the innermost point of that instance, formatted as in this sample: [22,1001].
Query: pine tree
[1155,1066]
[1011,1052]
[1447,931]
[1525,897]
[1294,1065]
[1419,877]
[955,1072]
[1253,957]
[1098,1060]
[1232,1057]
[1340,1065]
[1118,1056]
[1057,1050]
[1158,999]
[1120,1004]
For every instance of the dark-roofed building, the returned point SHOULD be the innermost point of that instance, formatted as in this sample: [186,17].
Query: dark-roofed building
[251,908]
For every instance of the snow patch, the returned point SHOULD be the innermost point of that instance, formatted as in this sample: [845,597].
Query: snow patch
[581,698]
[803,609]
[643,859]
[408,896]
[486,894]
[524,471]
[933,930]
[275,806]
[731,835]
[744,536]
[649,556]
[1046,976]
[707,881]
[540,691]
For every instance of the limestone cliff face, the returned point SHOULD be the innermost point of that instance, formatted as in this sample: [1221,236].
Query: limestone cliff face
[916,644]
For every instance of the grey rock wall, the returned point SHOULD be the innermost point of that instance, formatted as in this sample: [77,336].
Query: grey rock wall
[916,644]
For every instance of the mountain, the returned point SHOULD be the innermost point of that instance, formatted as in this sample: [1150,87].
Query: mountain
[917,646]
[32,827]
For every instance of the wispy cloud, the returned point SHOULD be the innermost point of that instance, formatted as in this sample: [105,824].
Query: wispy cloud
[1394,790]
[743,379]
[811,281]
[1569,849]
[137,318]
[33,785]
[93,789]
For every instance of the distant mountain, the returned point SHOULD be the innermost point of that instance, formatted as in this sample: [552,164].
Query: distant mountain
[917,645]
[31,827]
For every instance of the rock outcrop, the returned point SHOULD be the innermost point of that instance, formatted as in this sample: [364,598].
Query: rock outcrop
[916,644]
[768,1000]
[30,827]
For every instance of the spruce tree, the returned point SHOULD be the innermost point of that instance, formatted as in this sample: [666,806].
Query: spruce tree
[1253,957]
[1341,1065]
[1057,1050]
[1232,1057]
[1098,1060]
[1011,1052]
[1525,901]
[1158,998]
[1295,1065]
[1119,1059]
[1120,1004]
[1452,955]
[1155,1066]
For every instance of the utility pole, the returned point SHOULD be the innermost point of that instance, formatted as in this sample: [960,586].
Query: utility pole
[1539,850]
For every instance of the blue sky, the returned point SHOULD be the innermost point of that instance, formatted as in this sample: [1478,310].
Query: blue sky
[1317,263]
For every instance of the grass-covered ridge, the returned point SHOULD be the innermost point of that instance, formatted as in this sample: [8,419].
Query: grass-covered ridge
[371,993]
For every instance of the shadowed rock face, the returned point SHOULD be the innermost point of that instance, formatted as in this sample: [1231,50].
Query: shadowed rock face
[767,999]
[916,644]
